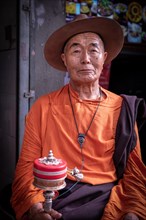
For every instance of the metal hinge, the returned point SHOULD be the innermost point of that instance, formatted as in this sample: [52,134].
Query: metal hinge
[30,94]
[26,8]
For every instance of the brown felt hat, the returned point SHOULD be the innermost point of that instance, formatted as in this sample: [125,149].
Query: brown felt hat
[108,29]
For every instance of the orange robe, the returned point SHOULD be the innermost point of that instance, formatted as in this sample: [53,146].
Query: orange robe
[50,125]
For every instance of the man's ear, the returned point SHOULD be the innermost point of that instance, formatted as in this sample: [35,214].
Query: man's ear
[105,55]
[63,58]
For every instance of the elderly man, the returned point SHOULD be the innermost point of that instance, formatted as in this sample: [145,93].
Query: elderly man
[91,128]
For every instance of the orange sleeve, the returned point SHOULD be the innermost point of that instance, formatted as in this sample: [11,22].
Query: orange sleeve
[24,197]
[130,193]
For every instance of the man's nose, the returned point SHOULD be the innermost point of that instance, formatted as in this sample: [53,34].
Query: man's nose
[85,58]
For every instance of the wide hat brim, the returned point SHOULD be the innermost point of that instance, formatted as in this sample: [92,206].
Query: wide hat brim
[109,30]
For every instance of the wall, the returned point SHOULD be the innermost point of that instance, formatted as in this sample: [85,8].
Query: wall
[46,16]
[35,74]
[34,25]
[8,75]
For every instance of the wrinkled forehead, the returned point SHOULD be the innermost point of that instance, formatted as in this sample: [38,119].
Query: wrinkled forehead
[84,36]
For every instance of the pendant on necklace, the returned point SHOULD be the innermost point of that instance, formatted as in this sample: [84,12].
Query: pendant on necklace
[77,174]
[81,139]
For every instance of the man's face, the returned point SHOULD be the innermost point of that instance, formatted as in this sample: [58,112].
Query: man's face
[84,57]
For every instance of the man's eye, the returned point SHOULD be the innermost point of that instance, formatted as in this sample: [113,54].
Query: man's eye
[76,51]
[94,51]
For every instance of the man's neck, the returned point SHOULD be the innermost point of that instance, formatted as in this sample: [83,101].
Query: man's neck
[87,91]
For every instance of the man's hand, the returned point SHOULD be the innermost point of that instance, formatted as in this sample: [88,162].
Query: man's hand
[36,212]
[53,215]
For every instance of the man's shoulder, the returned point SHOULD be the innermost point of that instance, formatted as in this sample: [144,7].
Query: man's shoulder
[50,97]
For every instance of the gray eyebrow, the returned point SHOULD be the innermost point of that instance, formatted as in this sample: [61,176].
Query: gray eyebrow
[95,45]
[76,44]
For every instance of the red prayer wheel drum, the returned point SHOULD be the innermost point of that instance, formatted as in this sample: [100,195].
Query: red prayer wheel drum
[49,172]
